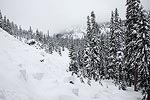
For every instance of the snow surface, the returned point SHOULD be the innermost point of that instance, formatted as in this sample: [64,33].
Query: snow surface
[24,77]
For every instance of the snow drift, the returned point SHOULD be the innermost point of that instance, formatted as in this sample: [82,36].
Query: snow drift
[24,77]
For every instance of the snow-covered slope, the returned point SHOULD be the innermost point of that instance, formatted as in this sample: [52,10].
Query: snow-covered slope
[30,74]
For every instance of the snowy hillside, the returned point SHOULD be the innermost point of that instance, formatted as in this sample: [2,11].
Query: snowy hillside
[30,74]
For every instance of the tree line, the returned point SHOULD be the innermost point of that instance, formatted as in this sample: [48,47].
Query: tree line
[46,41]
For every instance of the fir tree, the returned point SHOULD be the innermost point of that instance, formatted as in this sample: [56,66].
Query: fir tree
[148,15]
[13,28]
[8,26]
[37,37]
[119,35]
[132,23]
[143,54]
[4,23]
[91,53]
[112,50]
[107,46]
[20,33]
[73,66]
[1,19]
[102,55]
[16,31]
[80,59]
[30,33]
[87,37]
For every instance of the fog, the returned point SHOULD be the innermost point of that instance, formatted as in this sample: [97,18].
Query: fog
[56,15]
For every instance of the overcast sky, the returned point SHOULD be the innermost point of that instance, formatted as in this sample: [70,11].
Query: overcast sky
[57,15]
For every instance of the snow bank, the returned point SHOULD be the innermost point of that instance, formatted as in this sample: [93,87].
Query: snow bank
[24,77]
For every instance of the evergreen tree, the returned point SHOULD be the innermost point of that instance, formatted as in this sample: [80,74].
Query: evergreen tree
[143,54]
[50,48]
[107,46]
[16,31]
[87,37]
[148,15]
[73,66]
[102,55]
[37,37]
[112,50]
[30,33]
[91,53]
[1,19]
[20,33]
[50,43]
[12,28]
[119,38]
[4,23]
[8,26]
[131,53]
[80,60]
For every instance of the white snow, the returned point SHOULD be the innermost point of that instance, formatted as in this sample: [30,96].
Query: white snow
[24,77]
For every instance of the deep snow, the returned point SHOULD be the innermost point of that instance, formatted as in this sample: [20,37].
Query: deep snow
[24,77]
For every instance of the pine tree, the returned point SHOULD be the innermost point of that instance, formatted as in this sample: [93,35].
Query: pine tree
[91,52]
[112,50]
[50,44]
[118,30]
[116,20]
[30,33]
[119,38]
[132,23]
[1,19]
[13,28]
[20,33]
[148,15]
[73,66]
[87,37]
[50,48]
[16,31]
[8,26]
[107,46]
[37,36]
[4,24]
[143,54]
[80,60]
[103,55]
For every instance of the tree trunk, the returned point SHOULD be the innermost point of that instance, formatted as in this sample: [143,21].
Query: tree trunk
[148,94]
[135,78]
[128,79]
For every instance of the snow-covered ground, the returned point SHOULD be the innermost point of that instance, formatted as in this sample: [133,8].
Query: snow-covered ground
[24,77]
